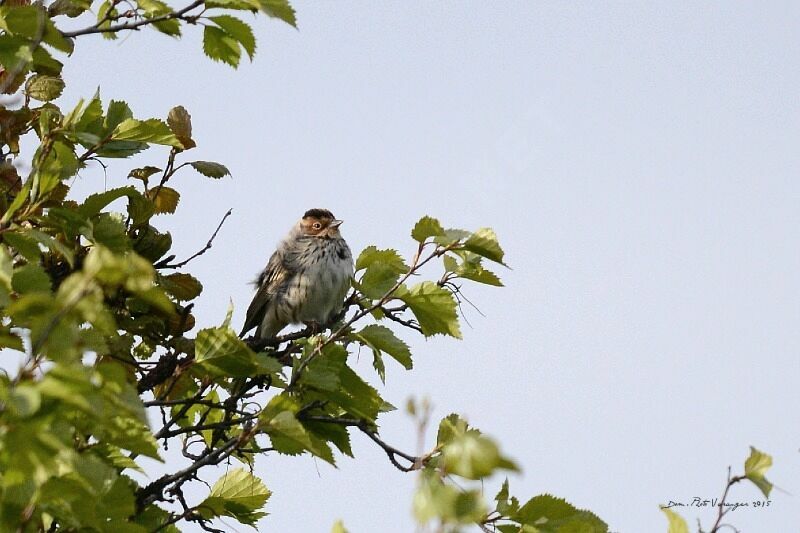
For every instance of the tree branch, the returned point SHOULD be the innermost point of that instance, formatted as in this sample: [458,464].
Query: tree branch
[722,511]
[114,28]
[149,493]
[366,427]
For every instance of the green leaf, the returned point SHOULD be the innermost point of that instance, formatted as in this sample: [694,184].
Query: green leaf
[210,169]
[484,243]
[451,236]
[435,499]
[238,30]
[113,455]
[382,269]
[44,63]
[506,506]
[435,309]
[30,278]
[356,396]
[333,433]
[426,227]
[53,244]
[151,244]
[220,46]
[377,281]
[109,230]
[106,13]
[180,122]
[34,23]
[165,199]
[43,87]
[24,245]
[481,275]
[383,339]
[676,523]
[247,5]
[70,8]
[554,515]
[474,456]
[118,111]
[371,255]
[238,494]
[152,131]
[6,267]
[183,287]
[287,434]
[451,427]
[279,9]
[755,467]
[143,173]
[24,400]
[471,268]
[95,203]
[170,27]
[220,352]
[157,8]
[324,372]
[153,518]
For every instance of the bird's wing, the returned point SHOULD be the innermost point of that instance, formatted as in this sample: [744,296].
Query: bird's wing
[268,281]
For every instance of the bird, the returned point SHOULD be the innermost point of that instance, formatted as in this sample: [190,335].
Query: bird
[306,279]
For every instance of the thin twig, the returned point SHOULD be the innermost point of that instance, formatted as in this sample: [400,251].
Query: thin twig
[205,248]
[367,428]
[722,510]
[150,493]
[202,427]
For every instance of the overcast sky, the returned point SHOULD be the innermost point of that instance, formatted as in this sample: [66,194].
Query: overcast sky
[639,162]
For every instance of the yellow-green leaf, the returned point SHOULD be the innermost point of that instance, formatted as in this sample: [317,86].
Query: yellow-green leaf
[435,309]
[238,494]
[165,199]
[220,46]
[239,31]
[676,523]
[484,243]
[755,467]
[44,88]
[426,227]
[182,286]
[152,131]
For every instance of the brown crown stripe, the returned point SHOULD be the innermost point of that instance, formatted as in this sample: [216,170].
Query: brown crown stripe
[318,213]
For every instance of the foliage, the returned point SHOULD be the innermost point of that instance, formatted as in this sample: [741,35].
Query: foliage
[91,301]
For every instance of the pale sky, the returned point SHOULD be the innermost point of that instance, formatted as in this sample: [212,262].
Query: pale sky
[639,162]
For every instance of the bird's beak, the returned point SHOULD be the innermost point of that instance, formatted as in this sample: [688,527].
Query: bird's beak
[336,223]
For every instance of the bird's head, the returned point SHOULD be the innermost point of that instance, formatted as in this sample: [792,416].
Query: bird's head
[320,223]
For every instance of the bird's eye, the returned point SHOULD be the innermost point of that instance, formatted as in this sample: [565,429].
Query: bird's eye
[316,225]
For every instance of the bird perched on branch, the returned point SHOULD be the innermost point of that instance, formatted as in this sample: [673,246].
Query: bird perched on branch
[305,280]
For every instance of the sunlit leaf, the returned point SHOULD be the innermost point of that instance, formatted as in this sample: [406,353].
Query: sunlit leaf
[238,494]
[755,468]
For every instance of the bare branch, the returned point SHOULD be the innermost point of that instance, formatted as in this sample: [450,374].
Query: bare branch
[205,248]
[722,510]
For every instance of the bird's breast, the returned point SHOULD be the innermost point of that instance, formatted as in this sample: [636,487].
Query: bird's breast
[321,281]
